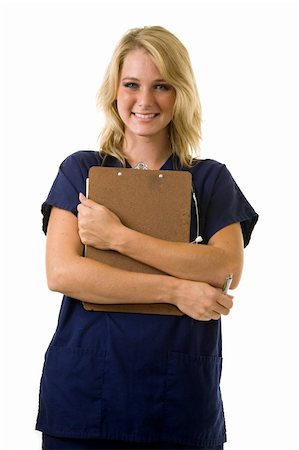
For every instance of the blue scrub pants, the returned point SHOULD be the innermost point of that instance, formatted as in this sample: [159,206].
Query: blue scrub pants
[56,443]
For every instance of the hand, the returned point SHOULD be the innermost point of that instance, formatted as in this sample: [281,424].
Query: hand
[202,301]
[97,225]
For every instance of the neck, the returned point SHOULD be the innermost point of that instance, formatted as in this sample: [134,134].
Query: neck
[153,154]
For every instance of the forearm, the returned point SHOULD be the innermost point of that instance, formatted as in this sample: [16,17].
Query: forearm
[88,280]
[91,281]
[100,228]
[84,279]
[206,263]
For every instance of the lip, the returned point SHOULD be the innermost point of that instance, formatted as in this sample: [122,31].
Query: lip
[145,116]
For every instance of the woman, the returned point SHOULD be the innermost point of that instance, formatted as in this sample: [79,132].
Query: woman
[117,380]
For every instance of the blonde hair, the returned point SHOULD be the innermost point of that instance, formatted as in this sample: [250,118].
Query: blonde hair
[172,60]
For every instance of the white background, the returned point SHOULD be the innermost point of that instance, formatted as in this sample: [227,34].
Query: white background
[245,56]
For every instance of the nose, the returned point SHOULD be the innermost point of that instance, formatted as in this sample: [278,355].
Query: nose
[145,98]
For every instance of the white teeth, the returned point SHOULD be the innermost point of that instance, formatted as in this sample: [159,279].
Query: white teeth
[145,116]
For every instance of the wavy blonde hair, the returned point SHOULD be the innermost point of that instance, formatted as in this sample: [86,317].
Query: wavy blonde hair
[172,60]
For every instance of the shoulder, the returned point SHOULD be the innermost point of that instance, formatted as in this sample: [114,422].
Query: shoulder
[208,171]
[206,165]
[77,165]
[82,158]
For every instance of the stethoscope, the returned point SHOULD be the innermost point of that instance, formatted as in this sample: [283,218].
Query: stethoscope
[175,166]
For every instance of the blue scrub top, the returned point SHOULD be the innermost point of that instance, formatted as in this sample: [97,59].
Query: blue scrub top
[139,377]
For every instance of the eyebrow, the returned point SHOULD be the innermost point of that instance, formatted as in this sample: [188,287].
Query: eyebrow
[137,79]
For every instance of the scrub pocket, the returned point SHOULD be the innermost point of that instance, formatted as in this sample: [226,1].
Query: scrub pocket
[194,410]
[71,391]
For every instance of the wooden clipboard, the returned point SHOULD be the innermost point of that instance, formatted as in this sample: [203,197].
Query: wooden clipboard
[153,202]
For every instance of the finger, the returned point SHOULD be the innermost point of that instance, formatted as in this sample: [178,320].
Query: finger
[219,309]
[215,315]
[226,301]
[86,201]
[223,306]
[81,208]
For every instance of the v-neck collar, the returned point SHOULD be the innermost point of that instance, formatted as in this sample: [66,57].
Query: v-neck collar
[167,165]
[114,162]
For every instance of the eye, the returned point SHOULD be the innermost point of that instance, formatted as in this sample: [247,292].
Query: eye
[131,85]
[163,87]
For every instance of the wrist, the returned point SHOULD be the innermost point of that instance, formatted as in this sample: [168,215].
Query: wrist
[173,287]
[120,239]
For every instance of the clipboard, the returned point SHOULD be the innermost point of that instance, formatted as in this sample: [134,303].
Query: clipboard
[153,202]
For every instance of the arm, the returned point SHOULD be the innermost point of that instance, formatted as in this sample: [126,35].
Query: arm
[85,279]
[210,263]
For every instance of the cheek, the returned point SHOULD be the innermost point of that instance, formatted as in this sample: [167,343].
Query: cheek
[124,104]
[168,103]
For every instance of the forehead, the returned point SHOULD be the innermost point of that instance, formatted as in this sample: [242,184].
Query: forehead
[139,64]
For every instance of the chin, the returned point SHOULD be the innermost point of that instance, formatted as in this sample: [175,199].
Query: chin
[144,132]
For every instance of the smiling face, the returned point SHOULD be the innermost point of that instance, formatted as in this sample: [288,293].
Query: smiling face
[144,100]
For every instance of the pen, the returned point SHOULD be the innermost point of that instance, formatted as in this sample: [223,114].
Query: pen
[227,283]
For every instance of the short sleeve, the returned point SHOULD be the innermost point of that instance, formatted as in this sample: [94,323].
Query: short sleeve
[64,193]
[228,205]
